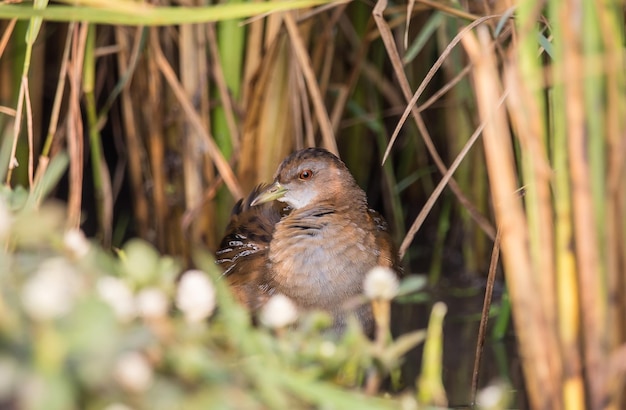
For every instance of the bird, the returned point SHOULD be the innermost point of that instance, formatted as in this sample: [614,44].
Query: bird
[309,235]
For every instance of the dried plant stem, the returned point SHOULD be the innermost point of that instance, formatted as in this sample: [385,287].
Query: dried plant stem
[421,217]
[131,131]
[222,166]
[75,129]
[381,310]
[58,96]
[8,30]
[394,56]
[484,317]
[304,62]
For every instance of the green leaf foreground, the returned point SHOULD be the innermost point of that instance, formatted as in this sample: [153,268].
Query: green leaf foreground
[133,14]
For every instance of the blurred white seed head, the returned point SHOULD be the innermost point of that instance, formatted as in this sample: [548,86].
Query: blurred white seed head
[52,290]
[152,303]
[117,406]
[6,220]
[381,283]
[76,243]
[195,296]
[278,312]
[118,296]
[327,349]
[494,397]
[133,372]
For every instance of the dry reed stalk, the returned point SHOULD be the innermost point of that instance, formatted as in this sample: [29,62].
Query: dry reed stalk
[526,111]
[565,270]
[304,135]
[252,58]
[611,25]
[358,66]
[195,121]
[567,289]
[325,48]
[269,126]
[590,270]
[155,143]
[304,62]
[130,126]
[484,316]
[75,129]
[535,342]
[553,255]
[194,74]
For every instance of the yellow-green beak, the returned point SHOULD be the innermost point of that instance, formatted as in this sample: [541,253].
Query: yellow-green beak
[271,193]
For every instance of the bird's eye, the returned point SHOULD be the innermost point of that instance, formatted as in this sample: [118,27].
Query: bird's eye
[306,174]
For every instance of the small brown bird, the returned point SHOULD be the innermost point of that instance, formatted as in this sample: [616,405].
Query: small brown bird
[316,249]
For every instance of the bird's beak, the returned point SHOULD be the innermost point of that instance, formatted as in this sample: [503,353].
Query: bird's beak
[271,193]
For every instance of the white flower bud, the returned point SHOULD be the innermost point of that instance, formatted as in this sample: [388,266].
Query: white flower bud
[52,290]
[381,283]
[118,296]
[133,372]
[195,296]
[278,312]
[75,242]
[152,303]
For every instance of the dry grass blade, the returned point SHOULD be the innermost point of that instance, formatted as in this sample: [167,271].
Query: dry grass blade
[447,87]
[484,316]
[429,76]
[445,179]
[449,10]
[75,130]
[192,213]
[304,62]
[397,64]
[218,159]
[6,36]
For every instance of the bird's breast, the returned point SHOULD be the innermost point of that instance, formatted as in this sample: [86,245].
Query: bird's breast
[321,262]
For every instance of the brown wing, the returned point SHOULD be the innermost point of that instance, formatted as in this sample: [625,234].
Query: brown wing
[388,252]
[243,250]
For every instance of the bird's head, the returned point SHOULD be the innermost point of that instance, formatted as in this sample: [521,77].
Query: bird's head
[310,176]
